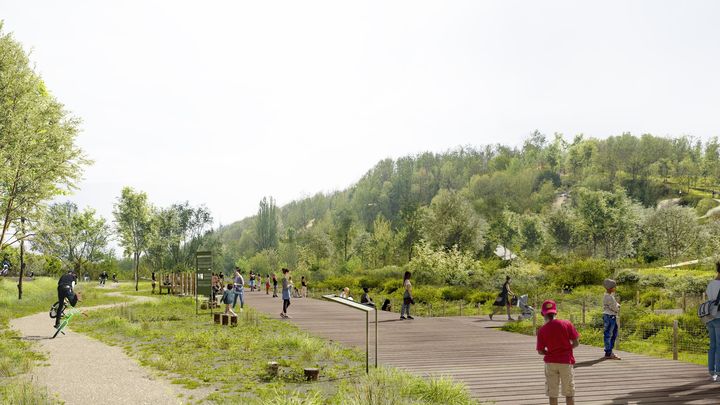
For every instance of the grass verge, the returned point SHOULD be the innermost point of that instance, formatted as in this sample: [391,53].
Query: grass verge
[229,364]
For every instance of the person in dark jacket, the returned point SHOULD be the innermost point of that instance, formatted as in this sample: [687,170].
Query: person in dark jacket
[65,290]
[365,299]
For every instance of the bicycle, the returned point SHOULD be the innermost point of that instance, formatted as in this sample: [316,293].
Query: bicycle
[66,315]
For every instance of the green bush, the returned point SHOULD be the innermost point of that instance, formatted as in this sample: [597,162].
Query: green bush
[653,280]
[425,294]
[627,276]
[481,297]
[390,286]
[577,273]
[651,324]
[652,296]
[687,284]
[337,283]
[455,293]
[705,205]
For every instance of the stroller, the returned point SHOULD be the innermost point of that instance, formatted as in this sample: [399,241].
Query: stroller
[526,311]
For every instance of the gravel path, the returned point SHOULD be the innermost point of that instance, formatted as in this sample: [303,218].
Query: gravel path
[82,370]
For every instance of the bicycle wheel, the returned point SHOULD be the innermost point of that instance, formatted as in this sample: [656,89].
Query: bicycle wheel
[53,310]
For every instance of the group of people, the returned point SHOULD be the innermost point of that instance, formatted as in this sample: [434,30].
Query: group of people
[235,291]
[408,299]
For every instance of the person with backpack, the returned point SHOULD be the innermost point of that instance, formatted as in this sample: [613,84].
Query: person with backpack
[65,290]
[713,327]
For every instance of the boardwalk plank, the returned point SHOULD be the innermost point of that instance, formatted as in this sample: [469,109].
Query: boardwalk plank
[495,365]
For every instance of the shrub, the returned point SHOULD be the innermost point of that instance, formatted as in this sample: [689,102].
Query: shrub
[687,284]
[425,294]
[455,293]
[705,205]
[390,286]
[577,273]
[627,276]
[337,283]
[653,280]
[651,324]
[652,295]
[480,297]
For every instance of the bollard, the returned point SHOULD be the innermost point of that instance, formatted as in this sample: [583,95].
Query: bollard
[675,339]
[225,319]
[233,320]
[217,318]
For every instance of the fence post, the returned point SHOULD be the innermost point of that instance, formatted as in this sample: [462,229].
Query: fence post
[675,339]
[637,297]
[583,312]
[684,305]
[430,310]
[461,305]
[443,308]
[534,323]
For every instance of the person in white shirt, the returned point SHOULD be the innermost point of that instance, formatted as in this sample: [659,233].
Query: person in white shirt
[611,310]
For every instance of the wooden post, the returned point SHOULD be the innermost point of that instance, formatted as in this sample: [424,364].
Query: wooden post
[534,323]
[443,308]
[429,310]
[225,319]
[461,307]
[233,320]
[637,297]
[273,368]
[684,302]
[583,312]
[216,318]
[675,339]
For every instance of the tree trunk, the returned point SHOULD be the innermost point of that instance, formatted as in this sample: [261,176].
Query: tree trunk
[137,267]
[22,259]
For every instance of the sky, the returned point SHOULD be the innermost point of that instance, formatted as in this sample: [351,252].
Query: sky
[224,102]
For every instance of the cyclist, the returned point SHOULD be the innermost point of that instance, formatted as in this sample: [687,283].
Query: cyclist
[65,290]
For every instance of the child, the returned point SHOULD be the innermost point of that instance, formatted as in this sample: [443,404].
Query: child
[227,299]
[275,285]
[267,285]
[556,341]
[611,309]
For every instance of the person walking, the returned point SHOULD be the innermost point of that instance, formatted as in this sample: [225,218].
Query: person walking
[287,286]
[267,285]
[239,286]
[503,300]
[611,310]
[556,341]
[275,285]
[303,288]
[227,298]
[252,281]
[407,297]
[713,327]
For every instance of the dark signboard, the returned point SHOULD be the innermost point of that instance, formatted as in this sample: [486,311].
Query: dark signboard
[203,274]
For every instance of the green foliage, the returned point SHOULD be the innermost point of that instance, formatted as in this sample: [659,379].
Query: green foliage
[653,280]
[580,272]
[266,228]
[670,232]
[451,223]
[452,267]
[40,159]
[78,238]
[705,205]
[627,277]
[134,225]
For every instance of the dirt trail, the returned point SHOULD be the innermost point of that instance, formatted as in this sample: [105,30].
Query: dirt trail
[82,370]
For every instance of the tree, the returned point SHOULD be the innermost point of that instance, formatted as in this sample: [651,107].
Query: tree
[133,221]
[76,237]
[451,221]
[670,231]
[343,223]
[607,223]
[38,155]
[266,225]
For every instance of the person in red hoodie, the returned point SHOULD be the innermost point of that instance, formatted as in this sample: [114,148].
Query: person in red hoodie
[556,341]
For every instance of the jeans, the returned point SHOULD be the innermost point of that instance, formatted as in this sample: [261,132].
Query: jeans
[64,291]
[713,328]
[239,294]
[610,332]
[405,309]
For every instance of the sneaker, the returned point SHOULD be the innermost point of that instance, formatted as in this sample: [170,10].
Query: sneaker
[402,317]
[410,317]
[282,315]
[715,378]
[613,357]
[288,317]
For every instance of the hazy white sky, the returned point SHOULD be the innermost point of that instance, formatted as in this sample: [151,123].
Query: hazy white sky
[223,102]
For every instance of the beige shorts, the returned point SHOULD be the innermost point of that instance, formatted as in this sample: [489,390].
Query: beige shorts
[555,374]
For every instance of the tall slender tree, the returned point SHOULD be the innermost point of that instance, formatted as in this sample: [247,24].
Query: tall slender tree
[134,225]
[267,225]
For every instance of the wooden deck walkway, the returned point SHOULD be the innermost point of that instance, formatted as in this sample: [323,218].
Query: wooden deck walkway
[498,366]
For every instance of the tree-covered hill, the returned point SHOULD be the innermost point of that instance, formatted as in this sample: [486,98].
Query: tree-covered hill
[588,197]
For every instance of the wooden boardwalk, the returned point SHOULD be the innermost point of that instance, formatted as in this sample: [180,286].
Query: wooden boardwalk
[498,366]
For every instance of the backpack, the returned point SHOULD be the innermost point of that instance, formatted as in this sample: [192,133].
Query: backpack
[708,310]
